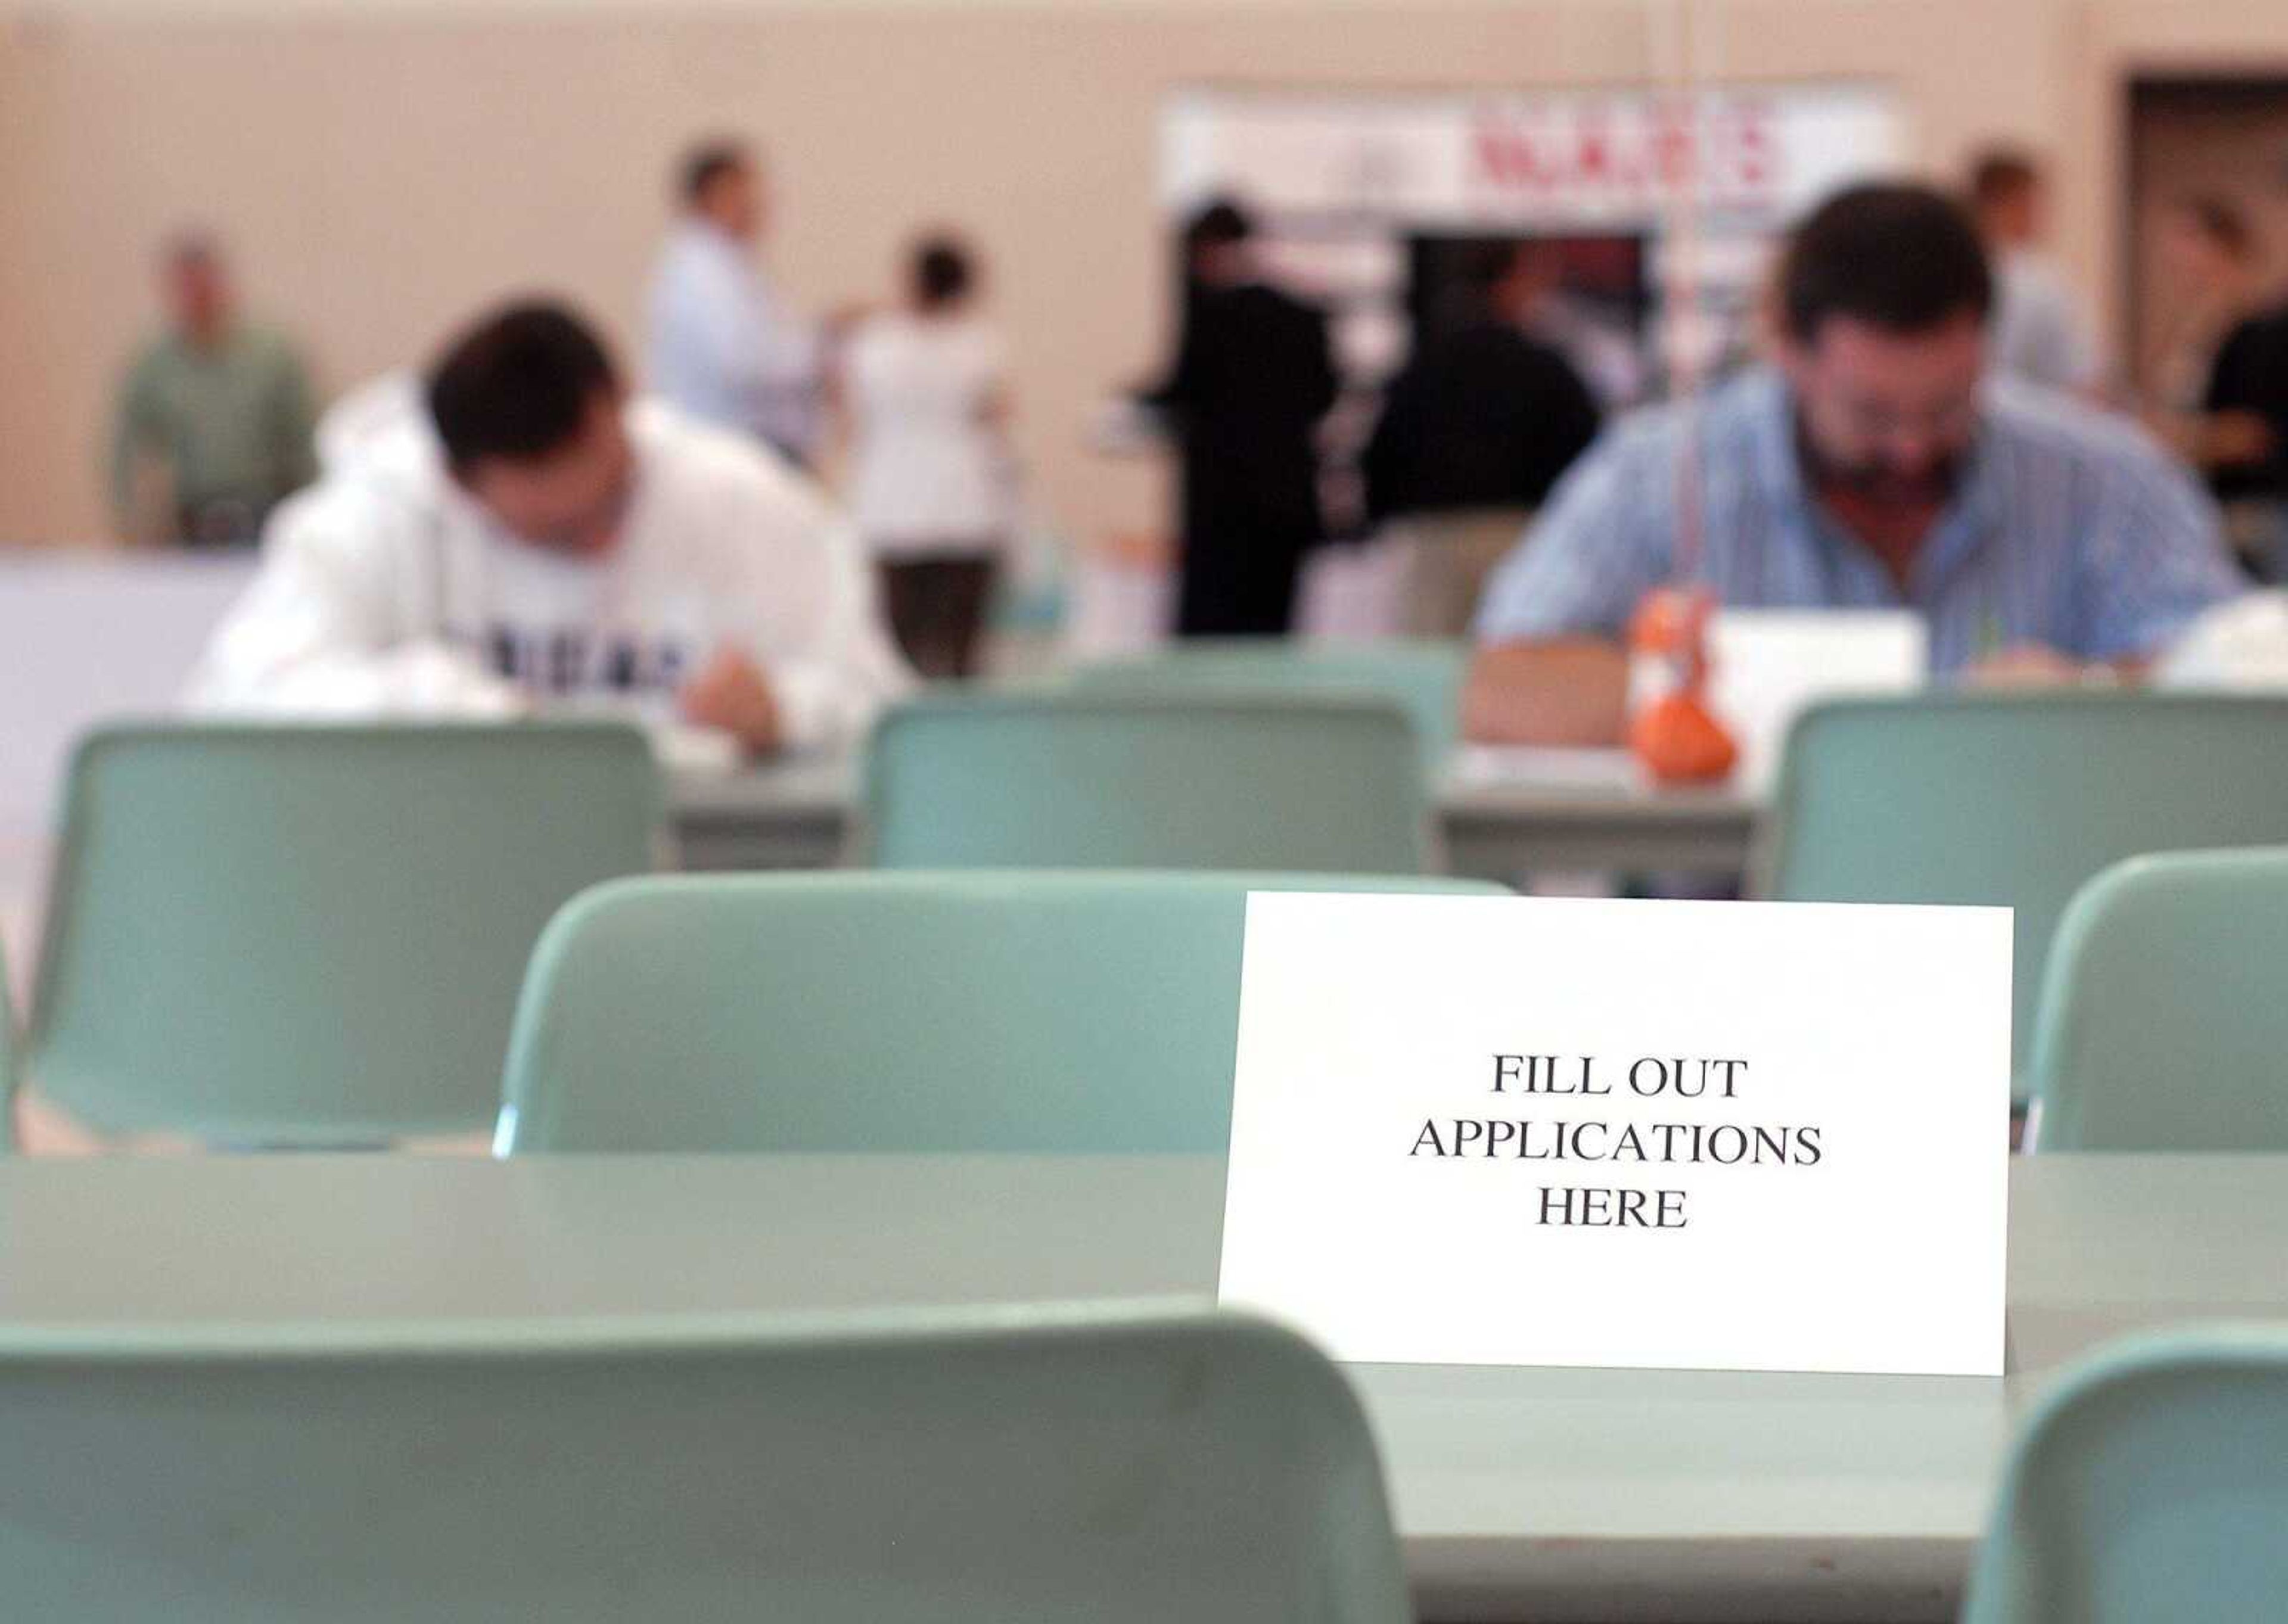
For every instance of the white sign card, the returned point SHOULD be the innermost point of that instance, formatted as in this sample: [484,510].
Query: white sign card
[1554,1131]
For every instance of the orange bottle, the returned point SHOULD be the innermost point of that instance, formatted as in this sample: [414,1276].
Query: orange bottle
[1673,732]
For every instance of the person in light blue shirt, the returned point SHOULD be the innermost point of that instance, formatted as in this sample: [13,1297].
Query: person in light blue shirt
[726,348]
[1874,465]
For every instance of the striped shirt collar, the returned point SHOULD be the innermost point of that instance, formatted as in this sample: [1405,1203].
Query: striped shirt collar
[1969,521]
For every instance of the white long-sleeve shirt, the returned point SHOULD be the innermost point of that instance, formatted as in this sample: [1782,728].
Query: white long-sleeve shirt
[386,590]
[928,473]
[726,349]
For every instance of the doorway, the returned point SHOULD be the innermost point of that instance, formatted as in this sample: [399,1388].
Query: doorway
[2222,138]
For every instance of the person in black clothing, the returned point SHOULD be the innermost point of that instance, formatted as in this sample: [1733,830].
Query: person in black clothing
[1253,375]
[1475,431]
[2245,439]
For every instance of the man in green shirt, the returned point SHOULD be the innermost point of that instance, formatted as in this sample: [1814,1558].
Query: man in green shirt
[215,422]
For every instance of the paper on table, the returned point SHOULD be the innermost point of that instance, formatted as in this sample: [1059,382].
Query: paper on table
[1537,767]
[2240,646]
[681,747]
[1770,664]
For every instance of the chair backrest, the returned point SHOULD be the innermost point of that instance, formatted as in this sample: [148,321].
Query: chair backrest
[2162,1025]
[1028,1467]
[315,935]
[2017,800]
[1422,676]
[2151,1483]
[966,1011]
[1069,779]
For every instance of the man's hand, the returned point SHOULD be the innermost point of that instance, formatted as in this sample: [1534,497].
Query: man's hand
[730,693]
[2235,439]
[1567,690]
[2035,665]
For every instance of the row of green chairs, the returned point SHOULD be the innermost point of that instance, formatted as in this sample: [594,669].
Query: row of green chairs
[315,935]
[263,935]
[2014,800]
[1143,1466]
[2149,1483]
[2159,1030]
[651,1005]
[1136,1467]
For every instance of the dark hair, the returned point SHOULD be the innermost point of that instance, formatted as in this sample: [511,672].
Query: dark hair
[708,163]
[1486,265]
[1219,225]
[1899,256]
[942,270]
[518,384]
[2223,222]
[2000,173]
[191,245]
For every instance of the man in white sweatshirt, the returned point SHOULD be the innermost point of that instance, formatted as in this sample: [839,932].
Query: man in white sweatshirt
[536,540]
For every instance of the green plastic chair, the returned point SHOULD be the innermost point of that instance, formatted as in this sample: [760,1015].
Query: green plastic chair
[2017,800]
[1026,1466]
[1068,779]
[1422,676]
[2162,1026]
[1042,1012]
[2151,1483]
[313,936]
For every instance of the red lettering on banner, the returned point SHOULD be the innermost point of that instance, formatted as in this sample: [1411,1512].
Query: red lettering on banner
[1729,152]
[1758,161]
[1592,153]
[1671,144]
[1508,156]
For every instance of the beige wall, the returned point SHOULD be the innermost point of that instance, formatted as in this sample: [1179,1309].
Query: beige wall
[382,169]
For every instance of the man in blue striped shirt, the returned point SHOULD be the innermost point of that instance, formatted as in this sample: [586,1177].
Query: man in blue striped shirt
[1873,466]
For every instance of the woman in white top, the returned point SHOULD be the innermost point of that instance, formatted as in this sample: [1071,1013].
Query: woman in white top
[930,476]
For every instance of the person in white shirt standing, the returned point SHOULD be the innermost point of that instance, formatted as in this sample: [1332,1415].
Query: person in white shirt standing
[533,539]
[2039,333]
[725,347]
[929,487]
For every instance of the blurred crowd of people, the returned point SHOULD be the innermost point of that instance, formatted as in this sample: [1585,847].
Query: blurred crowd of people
[1499,398]
[216,424]
[1487,421]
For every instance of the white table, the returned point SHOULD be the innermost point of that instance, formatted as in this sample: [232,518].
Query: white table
[1554,1494]
[87,637]
[1496,829]
[798,814]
